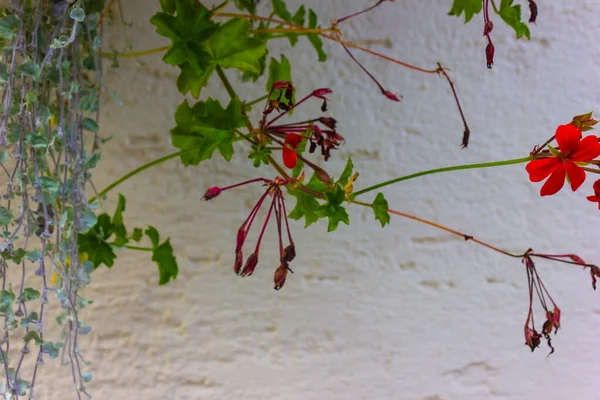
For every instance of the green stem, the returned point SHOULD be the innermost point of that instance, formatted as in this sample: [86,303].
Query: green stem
[137,171]
[438,170]
[139,248]
[253,102]
[226,83]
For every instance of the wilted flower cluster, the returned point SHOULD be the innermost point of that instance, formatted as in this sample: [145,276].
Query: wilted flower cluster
[319,132]
[536,286]
[277,206]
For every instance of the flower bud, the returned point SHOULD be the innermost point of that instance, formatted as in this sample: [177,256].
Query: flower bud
[239,261]
[250,265]
[289,253]
[212,193]
[533,11]
[489,54]
[487,28]
[280,275]
[532,338]
[391,95]
[322,175]
[321,93]
[241,237]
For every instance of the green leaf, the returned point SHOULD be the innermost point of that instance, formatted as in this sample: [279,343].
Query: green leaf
[162,254]
[29,294]
[9,26]
[52,349]
[306,206]
[280,10]
[31,69]
[206,127]
[188,81]
[246,5]
[49,184]
[380,207]
[231,47]
[95,244]
[187,30]
[260,155]
[89,125]
[33,335]
[118,227]
[333,209]
[77,14]
[279,71]
[469,7]
[313,38]
[512,16]
[137,234]
[6,216]
[347,173]
[168,6]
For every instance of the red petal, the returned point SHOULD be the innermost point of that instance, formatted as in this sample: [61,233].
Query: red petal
[289,157]
[541,168]
[575,173]
[593,199]
[589,148]
[293,139]
[597,187]
[567,137]
[555,182]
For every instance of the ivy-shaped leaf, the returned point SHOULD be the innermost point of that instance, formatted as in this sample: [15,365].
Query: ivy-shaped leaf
[188,29]
[162,254]
[306,206]
[512,16]
[333,209]
[380,208]
[231,47]
[206,127]
[95,242]
[29,294]
[469,7]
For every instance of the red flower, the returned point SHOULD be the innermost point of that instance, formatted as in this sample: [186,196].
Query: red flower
[292,140]
[596,197]
[563,165]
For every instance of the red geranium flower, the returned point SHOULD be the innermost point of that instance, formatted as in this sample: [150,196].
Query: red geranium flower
[563,165]
[596,197]
[292,141]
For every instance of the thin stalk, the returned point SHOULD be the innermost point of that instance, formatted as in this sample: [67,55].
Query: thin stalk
[438,170]
[137,171]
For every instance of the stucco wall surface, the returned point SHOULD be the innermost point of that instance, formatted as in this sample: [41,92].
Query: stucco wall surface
[405,312]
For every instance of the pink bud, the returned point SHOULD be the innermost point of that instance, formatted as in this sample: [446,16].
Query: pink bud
[322,175]
[321,93]
[576,259]
[487,28]
[391,95]
[239,260]
[241,237]
[212,193]
[279,278]
[250,265]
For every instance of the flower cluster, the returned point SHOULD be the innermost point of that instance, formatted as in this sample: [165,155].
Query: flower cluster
[535,284]
[320,132]
[277,206]
[566,161]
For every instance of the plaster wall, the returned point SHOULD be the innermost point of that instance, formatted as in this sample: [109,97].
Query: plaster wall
[405,312]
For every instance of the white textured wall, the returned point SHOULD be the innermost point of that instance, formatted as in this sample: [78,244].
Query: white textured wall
[405,312]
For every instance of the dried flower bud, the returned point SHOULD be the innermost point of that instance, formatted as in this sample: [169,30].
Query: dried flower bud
[280,275]
[212,193]
[328,122]
[489,55]
[533,11]
[250,265]
[241,237]
[532,338]
[554,318]
[289,253]
[239,261]
[595,272]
